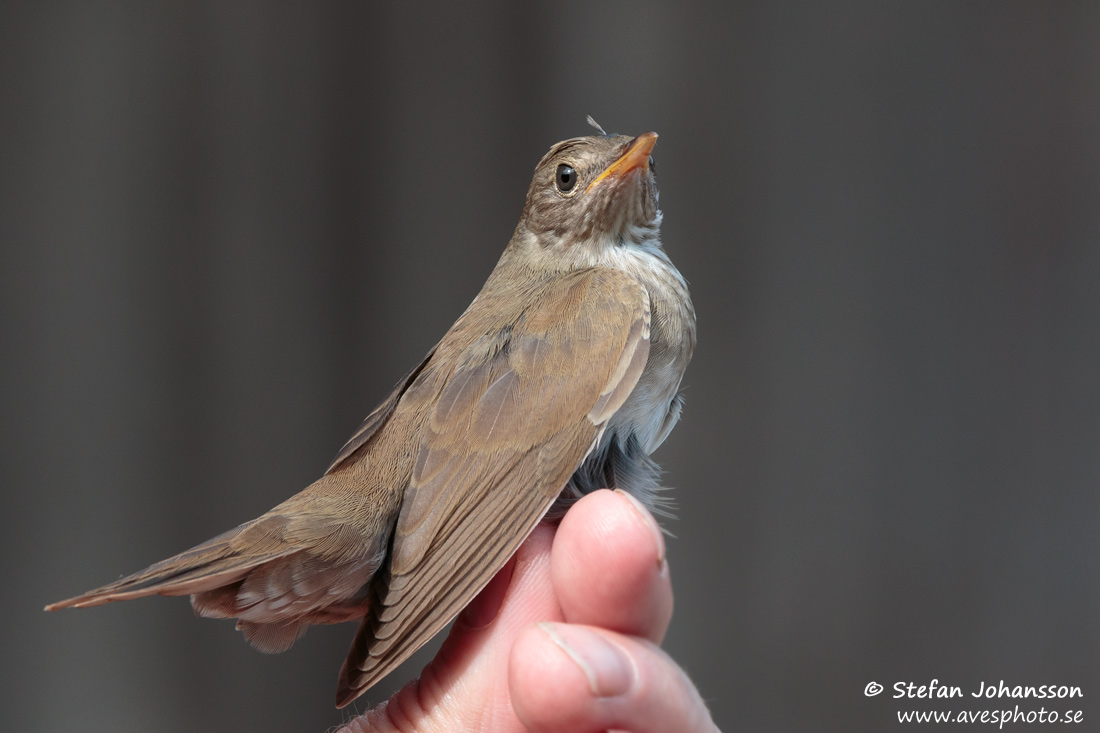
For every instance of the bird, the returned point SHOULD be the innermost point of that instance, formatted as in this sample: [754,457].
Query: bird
[561,377]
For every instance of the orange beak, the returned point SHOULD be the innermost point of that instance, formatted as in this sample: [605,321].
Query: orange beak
[636,156]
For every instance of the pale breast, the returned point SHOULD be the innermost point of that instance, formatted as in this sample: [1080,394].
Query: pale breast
[653,408]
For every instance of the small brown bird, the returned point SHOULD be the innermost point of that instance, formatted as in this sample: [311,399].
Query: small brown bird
[561,378]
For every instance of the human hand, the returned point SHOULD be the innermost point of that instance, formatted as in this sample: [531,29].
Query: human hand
[564,638]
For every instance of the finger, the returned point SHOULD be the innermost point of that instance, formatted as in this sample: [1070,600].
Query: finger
[608,567]
[580,678]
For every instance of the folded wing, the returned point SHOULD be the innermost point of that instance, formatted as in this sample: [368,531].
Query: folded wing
[510,424]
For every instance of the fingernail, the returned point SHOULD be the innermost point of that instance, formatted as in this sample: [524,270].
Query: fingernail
[650,522]
[609,671]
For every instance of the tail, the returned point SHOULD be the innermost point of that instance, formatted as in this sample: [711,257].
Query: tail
[275,583]
[217,562]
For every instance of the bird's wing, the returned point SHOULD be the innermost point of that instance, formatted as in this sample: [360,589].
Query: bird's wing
[511,423]
[377,418]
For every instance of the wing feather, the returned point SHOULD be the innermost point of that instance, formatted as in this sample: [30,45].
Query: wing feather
[377,418]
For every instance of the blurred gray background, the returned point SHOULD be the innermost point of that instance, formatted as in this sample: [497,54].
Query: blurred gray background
[228,228]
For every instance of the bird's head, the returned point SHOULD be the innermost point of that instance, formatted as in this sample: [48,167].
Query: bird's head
[590,194]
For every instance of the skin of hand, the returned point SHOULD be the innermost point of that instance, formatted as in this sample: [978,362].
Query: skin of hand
[564,638]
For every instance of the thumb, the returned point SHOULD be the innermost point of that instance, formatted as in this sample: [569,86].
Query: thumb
[581,678]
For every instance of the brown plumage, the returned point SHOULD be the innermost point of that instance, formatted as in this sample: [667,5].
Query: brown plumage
[560,378]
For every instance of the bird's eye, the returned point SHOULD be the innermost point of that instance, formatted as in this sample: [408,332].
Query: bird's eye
[566,178]
[653,165]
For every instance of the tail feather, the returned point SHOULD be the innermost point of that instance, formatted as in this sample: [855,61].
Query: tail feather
[271,638]
[278,574]
[216,562]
